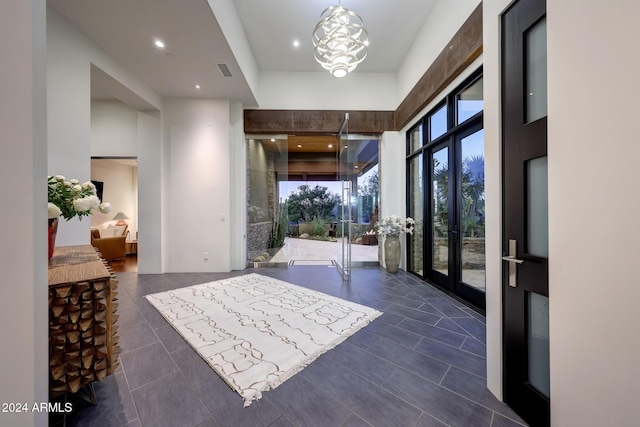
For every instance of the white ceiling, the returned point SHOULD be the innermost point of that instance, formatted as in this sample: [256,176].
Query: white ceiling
[195,43]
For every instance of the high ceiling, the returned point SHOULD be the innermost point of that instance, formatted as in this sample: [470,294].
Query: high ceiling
[195,43]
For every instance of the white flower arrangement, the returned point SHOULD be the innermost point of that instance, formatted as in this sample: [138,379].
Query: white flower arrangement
[395,225]
[69,198]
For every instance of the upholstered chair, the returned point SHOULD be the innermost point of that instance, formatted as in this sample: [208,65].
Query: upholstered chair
[110,241]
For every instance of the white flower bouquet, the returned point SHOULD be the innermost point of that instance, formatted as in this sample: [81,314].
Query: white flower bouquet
[69,198]
[395,225]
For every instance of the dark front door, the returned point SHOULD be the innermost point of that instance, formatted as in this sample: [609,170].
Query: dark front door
[525,226]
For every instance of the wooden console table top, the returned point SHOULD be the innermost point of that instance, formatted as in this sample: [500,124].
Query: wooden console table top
[73,264]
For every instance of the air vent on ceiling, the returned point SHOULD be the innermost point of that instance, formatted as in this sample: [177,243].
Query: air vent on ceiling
[224,70]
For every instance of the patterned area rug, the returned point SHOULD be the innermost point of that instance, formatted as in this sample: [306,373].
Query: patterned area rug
[255,331]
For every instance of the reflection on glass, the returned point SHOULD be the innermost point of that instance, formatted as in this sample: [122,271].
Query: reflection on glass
[416,240]
[440,209]
[438,123]
[537,208]
[536,72]
[368,196]
[258,178]
[469,101]
[538,341]
[415,139]
[266,198]
[472,210]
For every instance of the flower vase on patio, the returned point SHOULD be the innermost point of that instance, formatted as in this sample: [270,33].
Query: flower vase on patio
[390,229]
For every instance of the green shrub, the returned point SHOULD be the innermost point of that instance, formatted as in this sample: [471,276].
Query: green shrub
[318,226]
[293,230]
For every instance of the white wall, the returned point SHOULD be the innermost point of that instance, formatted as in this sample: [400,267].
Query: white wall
[445,20]
[150,199]
[69,58]
[493,177]
[114,129]
[393,181]
[68,107]
[593,67]
[320,91]
[197,137]
[238,162]
[230,24]
[120,189]
[23,262]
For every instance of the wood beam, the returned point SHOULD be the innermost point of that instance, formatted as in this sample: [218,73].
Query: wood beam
[460,52]
[309,122]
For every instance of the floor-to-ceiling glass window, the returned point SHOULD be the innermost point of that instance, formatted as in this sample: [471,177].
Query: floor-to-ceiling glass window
[445,193]
[416,201]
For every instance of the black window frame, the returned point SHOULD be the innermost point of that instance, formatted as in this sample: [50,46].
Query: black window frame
[450,100]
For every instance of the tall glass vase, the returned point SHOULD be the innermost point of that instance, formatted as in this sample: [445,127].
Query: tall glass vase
[392,252]
[52,232]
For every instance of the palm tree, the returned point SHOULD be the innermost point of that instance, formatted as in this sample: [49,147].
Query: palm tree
[473,193]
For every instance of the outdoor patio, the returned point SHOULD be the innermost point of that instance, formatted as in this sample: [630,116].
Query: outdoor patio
[297,250]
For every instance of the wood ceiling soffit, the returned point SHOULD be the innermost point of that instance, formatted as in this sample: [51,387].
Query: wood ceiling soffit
[460,52]
[308,122]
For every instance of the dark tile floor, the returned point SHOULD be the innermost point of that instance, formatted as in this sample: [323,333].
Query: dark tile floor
[422,363]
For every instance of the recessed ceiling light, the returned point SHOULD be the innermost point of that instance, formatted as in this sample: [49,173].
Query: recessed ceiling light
[296,43]
[197,86]
[330,145]
[346,146]
[273,140]
[356,166]
[299,146]
[159,43]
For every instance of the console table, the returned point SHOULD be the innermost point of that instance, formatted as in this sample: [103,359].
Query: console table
[83,340]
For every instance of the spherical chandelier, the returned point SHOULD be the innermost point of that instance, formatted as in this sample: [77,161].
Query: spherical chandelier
[340,41]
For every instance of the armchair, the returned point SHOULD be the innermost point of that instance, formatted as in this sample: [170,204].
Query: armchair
[110,246]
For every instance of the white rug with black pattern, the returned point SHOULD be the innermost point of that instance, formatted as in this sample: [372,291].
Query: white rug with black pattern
[256,331]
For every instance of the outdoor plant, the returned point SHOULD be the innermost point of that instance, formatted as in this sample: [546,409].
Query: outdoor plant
[256,214]
[279,228]
[309,202]
[293,230]
[318,226]
[69,198]
[394,225]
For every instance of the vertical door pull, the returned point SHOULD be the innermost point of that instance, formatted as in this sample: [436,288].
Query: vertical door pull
[513,262]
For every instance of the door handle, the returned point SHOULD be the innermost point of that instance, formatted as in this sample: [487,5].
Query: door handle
[513,262]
